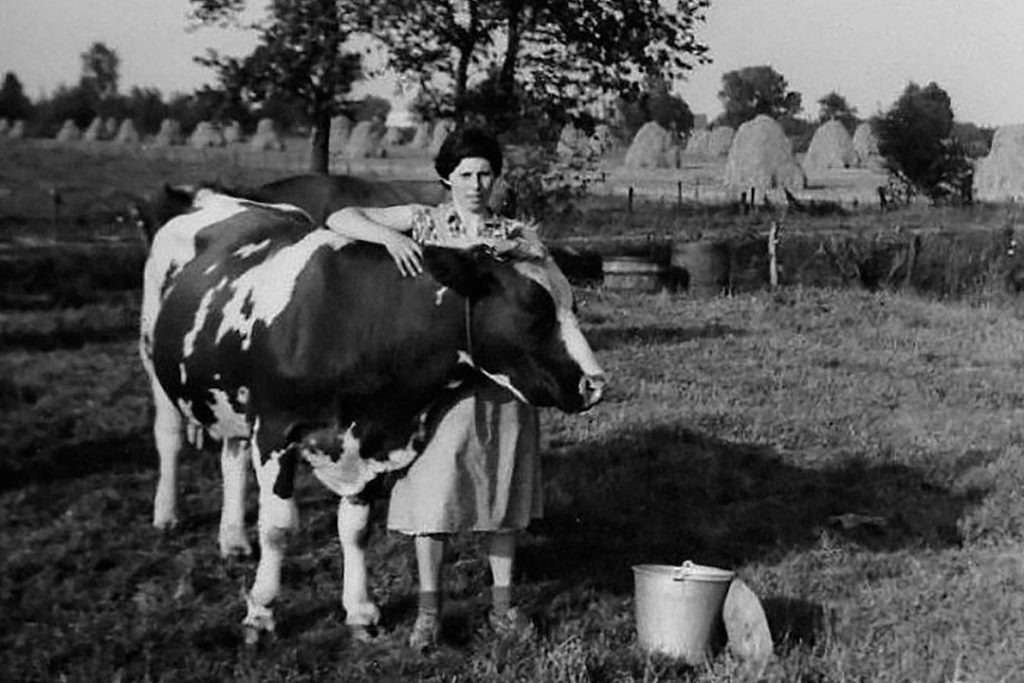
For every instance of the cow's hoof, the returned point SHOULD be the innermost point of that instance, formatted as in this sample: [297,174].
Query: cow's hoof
[425,633]
[257,620]
[165,525]
[362,633]
[234,542]
[251,635]
[365,614]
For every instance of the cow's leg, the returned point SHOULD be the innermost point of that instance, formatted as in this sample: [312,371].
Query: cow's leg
[353,530]
[168,432]
[234,466]
[278,518]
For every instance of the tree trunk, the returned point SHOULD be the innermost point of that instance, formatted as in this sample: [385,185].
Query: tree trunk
[466,47]
[320,137]
[514,17]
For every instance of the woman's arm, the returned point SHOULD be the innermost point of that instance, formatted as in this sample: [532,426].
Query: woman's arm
[385,226]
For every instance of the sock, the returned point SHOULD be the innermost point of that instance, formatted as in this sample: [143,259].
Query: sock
[429,603]
[501,599]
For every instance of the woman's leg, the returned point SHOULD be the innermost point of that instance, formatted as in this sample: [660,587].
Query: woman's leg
[502,557]
[505,619]
[429,558]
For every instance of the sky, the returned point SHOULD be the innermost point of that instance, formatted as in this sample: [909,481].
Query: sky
[866,50]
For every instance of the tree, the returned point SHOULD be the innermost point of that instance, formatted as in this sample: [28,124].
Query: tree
[657,104]
[557,53]
[755,90]
[14,104]
[301,56]
[427,39]
[915,137]
[100,71]
[835,106]
[146,107]
[554,52]
[66,102]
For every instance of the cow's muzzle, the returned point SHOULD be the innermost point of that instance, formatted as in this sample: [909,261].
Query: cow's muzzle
[591,389]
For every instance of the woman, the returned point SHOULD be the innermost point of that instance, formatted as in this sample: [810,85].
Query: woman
[481,470]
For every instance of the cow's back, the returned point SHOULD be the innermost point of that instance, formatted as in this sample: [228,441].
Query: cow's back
[321,195]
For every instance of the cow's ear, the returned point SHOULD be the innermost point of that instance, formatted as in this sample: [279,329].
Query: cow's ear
[468,272]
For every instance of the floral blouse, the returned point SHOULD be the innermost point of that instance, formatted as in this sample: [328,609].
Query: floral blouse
[441,225]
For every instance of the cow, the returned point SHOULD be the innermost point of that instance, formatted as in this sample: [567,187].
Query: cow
[279,337]
[318,195]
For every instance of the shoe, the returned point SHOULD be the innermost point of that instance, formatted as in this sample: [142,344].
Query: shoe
[512,623]
[425,632]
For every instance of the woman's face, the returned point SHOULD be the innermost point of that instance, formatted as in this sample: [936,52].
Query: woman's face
[471,183]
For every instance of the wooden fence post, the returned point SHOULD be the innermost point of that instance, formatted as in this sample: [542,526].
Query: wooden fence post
[55,201]
[773,260]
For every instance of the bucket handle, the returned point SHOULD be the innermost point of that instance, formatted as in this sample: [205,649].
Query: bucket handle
[682,571]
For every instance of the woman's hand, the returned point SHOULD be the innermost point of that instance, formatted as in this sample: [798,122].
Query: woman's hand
[406,252]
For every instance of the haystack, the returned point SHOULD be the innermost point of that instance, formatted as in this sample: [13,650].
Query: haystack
[394,136]
[266,137]
[571,142]
[830,148]
[602,140]
[720,141]
[761,157]
[206,134]
[17,130]
[999,177]
[127,134]
[110,128]
[652,147]
[366,141]
[441,131]
[341,129]
[169,134]
[421,138]
[69,132]
[96,130]
[865,147]
[697,144]
[233,133]
[5,126]
[710,143]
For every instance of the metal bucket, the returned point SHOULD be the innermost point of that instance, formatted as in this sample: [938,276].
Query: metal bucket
[677,608]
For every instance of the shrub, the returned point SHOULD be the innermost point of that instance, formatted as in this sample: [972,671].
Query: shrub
[915,137]
[546,187]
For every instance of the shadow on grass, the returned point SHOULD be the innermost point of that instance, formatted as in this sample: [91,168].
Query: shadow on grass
[31,340]
[602,339]
[131,452]
[666,494]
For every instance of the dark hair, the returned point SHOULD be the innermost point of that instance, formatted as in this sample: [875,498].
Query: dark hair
[466,143]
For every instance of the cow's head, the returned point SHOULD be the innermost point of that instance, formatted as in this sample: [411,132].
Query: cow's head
[523,332]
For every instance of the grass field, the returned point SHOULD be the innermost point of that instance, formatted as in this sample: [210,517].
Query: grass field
[739,433]
[856,457]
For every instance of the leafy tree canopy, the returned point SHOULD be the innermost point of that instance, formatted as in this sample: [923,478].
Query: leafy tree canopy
[301,56]
[835,106]
[14,104]
[754,90]
[654,103]
[916,139]
[100,71]
[560,52]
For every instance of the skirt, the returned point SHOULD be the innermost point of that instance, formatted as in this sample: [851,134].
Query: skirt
[480,470]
